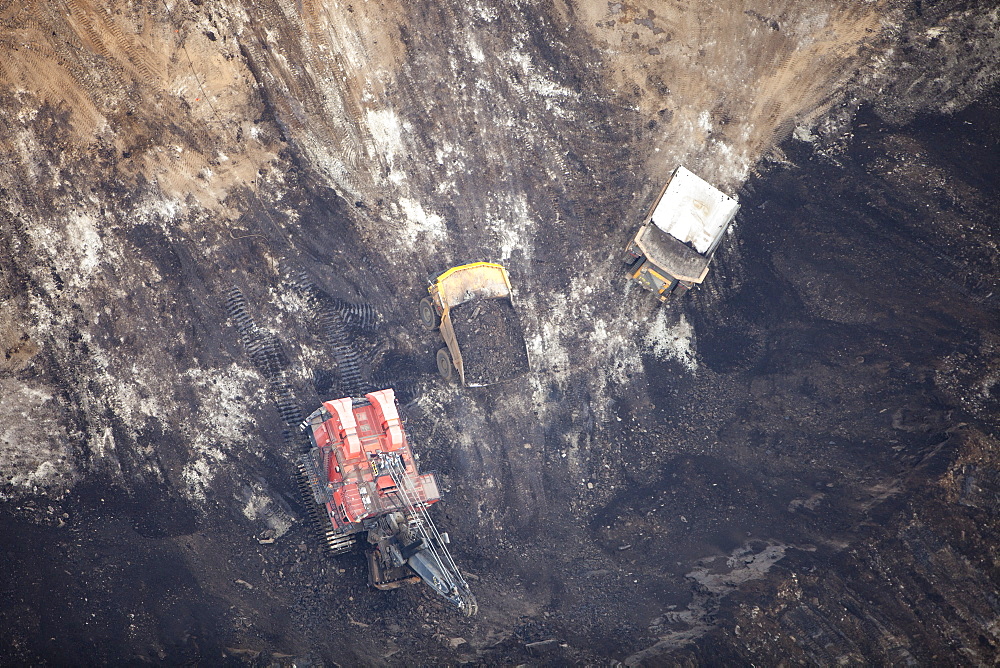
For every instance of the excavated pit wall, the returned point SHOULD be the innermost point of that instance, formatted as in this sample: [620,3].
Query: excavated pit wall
[160,153]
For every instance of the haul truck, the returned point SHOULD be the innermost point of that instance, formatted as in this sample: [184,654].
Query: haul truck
[471,306]
[673,247]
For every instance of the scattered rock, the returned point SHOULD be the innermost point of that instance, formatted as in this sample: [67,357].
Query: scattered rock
[542,647]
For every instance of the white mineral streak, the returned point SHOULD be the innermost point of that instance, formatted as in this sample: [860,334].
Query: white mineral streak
[35,455]
[420,226]
[669,339]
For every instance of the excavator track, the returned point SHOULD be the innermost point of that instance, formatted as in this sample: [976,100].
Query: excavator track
[333,317]
[430,559]
[331,541]
[269,358]
[317,491]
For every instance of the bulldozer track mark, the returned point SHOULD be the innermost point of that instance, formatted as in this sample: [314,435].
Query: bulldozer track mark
[785,64]
[406,389]
[362,316]
[356,314]
[348,106]
[135,56]
[265,350]
[268,356]
[332,319]
[94,36]
[287,405]
[236,306]
[317,109]
[311,20]
[350,154]
[36,58]
[290,10]
[28,23]
[10,10]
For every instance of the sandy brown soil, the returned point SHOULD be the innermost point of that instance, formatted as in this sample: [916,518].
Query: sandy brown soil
[796,460]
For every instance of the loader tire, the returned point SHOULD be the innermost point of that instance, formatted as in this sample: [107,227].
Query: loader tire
[428,314]
[445,367]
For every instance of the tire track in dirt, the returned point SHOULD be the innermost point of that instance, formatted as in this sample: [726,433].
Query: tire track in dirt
[142,64]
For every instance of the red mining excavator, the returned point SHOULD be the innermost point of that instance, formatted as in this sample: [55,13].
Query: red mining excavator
[363,477]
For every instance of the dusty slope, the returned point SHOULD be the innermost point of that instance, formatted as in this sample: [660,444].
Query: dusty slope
[158,153]
[167,106]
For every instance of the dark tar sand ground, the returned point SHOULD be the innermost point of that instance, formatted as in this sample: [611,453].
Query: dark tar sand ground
[123,579]
[812,478]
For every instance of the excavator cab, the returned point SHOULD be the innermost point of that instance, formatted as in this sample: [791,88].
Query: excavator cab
[360,477]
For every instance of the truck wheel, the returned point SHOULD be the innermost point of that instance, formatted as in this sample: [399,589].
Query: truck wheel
[428,314]
[445,367]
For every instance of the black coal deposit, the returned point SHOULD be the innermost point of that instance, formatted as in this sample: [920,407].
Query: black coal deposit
[489,334]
